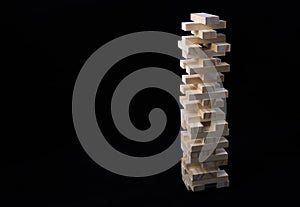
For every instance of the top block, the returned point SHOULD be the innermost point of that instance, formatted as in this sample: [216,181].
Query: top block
[205,18]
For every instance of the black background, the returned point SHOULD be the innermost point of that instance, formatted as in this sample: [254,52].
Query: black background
[45,43]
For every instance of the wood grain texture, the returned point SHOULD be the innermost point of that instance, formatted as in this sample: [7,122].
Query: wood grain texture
[204,18]
[189,26]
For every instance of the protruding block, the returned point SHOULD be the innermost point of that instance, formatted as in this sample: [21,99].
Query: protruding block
[191,39]
[193,117]
[195,105]
[217,129]
[219,155]
[205,18]
[197,145]
[189,26]
[206,53]
[207,34]
[209,62]
[195,69]
[220,47]
[197,94]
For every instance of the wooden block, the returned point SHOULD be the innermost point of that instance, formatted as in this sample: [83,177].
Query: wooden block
[204,114]
[218,163]
[196,116]
[191,79]
[196,145]
[212,103]
[199,156]
[207,113]
[213,140]
[197,172]
[207,34]
[184,62]
[182,119]
[210,77]
[197,188]
[217,129]
[204,18]
[210,164]
[209,53]
[185,181]
[189,26]
[203,87]
[222,184]
[195,105]
[190,49]
[210,134]
[205,53]
[198,95]
[207,62]
[220,47]
[197,69]
[208,87]
[218,155]
[192,39]
[220,177]
[196,79]
[195,127]
[187,87]
[196,51]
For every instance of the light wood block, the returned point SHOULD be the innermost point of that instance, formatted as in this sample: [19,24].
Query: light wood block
[218,163]
[211,77]
[223,184]
[196,69]
[184,62]
[203,87]
[196,146]
[220,47]
[195,105]
[196,79]
[189,26]
[196,116]
[198,95]
[197,172]
[192,39]
[195,127]
[204,114]
[205,53]
[221,176]
[215,130]
[207,34]
[204,18]
[187,87]
[209,87]
[191,79]
[182,119]
[196,51]
[206,62]
[219,155]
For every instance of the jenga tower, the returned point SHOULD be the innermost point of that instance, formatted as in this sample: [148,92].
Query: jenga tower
[203,114]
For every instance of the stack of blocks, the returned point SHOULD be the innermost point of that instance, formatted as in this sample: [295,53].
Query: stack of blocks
[203,116]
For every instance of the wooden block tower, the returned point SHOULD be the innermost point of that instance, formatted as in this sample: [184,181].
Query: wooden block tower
[203,114]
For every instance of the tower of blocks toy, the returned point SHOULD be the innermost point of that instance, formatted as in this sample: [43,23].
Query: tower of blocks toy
[203,114]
